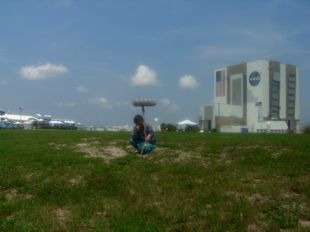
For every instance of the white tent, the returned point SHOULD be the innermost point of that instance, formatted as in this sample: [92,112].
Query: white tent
[187,123]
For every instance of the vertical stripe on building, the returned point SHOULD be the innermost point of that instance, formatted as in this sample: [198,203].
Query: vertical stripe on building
[220,83]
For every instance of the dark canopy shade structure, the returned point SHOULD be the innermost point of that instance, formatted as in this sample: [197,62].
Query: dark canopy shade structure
[144,103]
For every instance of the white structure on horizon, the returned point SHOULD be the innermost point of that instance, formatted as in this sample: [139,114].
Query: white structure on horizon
[25,121]
[258,96]
[19,118]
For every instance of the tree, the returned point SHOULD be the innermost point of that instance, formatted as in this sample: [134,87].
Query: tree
[189,128]
[307,129]
[167,127]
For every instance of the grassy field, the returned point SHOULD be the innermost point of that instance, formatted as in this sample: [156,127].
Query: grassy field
[92,181]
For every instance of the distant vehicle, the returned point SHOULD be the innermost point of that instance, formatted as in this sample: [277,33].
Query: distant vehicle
[4,124]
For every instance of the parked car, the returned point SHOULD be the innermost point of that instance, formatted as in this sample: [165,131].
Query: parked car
[5,124]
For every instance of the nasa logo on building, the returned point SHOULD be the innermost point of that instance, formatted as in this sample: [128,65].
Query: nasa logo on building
[254,78]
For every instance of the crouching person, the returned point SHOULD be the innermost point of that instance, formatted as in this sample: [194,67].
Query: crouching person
[143,137]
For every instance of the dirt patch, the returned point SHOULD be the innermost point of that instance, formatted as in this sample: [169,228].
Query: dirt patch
[114,152]
[29,176]
[233,194]
[277,153]
[57,146]
[62,216]
[115,142]
[182,156]
[89,139]
[76,180]
[288,195]
[304,223]
[248,147]
[155,178]
[11,194]
[89,150]
[257,198]
[106,153]
[253,228]
[224,157]
[27,196]
[161,149]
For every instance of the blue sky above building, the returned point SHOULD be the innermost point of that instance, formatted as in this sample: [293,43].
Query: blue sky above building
[87,60]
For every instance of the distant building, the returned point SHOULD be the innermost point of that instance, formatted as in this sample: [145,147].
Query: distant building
[38,121]
[14,118]
[258,96]
[16,121]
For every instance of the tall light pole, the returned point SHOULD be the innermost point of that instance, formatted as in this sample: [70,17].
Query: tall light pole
[260,113]
[20,113]
[202,119]
[261,116]
[156,123]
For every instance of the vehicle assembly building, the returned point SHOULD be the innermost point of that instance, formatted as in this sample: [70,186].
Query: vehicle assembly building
[258,96]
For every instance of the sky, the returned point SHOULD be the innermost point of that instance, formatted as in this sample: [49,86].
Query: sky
[87,60]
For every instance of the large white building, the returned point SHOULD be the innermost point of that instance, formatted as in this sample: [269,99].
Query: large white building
[258,96]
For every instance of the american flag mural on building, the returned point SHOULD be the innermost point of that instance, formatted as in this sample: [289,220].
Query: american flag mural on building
[220,83]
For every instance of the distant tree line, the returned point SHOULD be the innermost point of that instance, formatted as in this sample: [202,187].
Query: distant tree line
[191,128]
[307,129]
[171,128]
[168,127]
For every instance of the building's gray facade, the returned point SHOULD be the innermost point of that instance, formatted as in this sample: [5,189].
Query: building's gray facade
[256,96]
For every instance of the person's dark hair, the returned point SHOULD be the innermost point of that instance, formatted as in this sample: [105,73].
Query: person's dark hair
[138,118]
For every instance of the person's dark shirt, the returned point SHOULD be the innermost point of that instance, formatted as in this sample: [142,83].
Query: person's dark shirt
[141,133]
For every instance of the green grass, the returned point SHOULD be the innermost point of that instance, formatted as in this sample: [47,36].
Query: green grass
[191,182]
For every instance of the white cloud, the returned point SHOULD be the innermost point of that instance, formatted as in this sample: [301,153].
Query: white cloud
[188,82]
[101,101]
[81,89]
[144,76]
[44,71]
[166,103]
[66,104]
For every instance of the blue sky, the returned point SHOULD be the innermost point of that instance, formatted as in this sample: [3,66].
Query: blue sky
[88,59]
